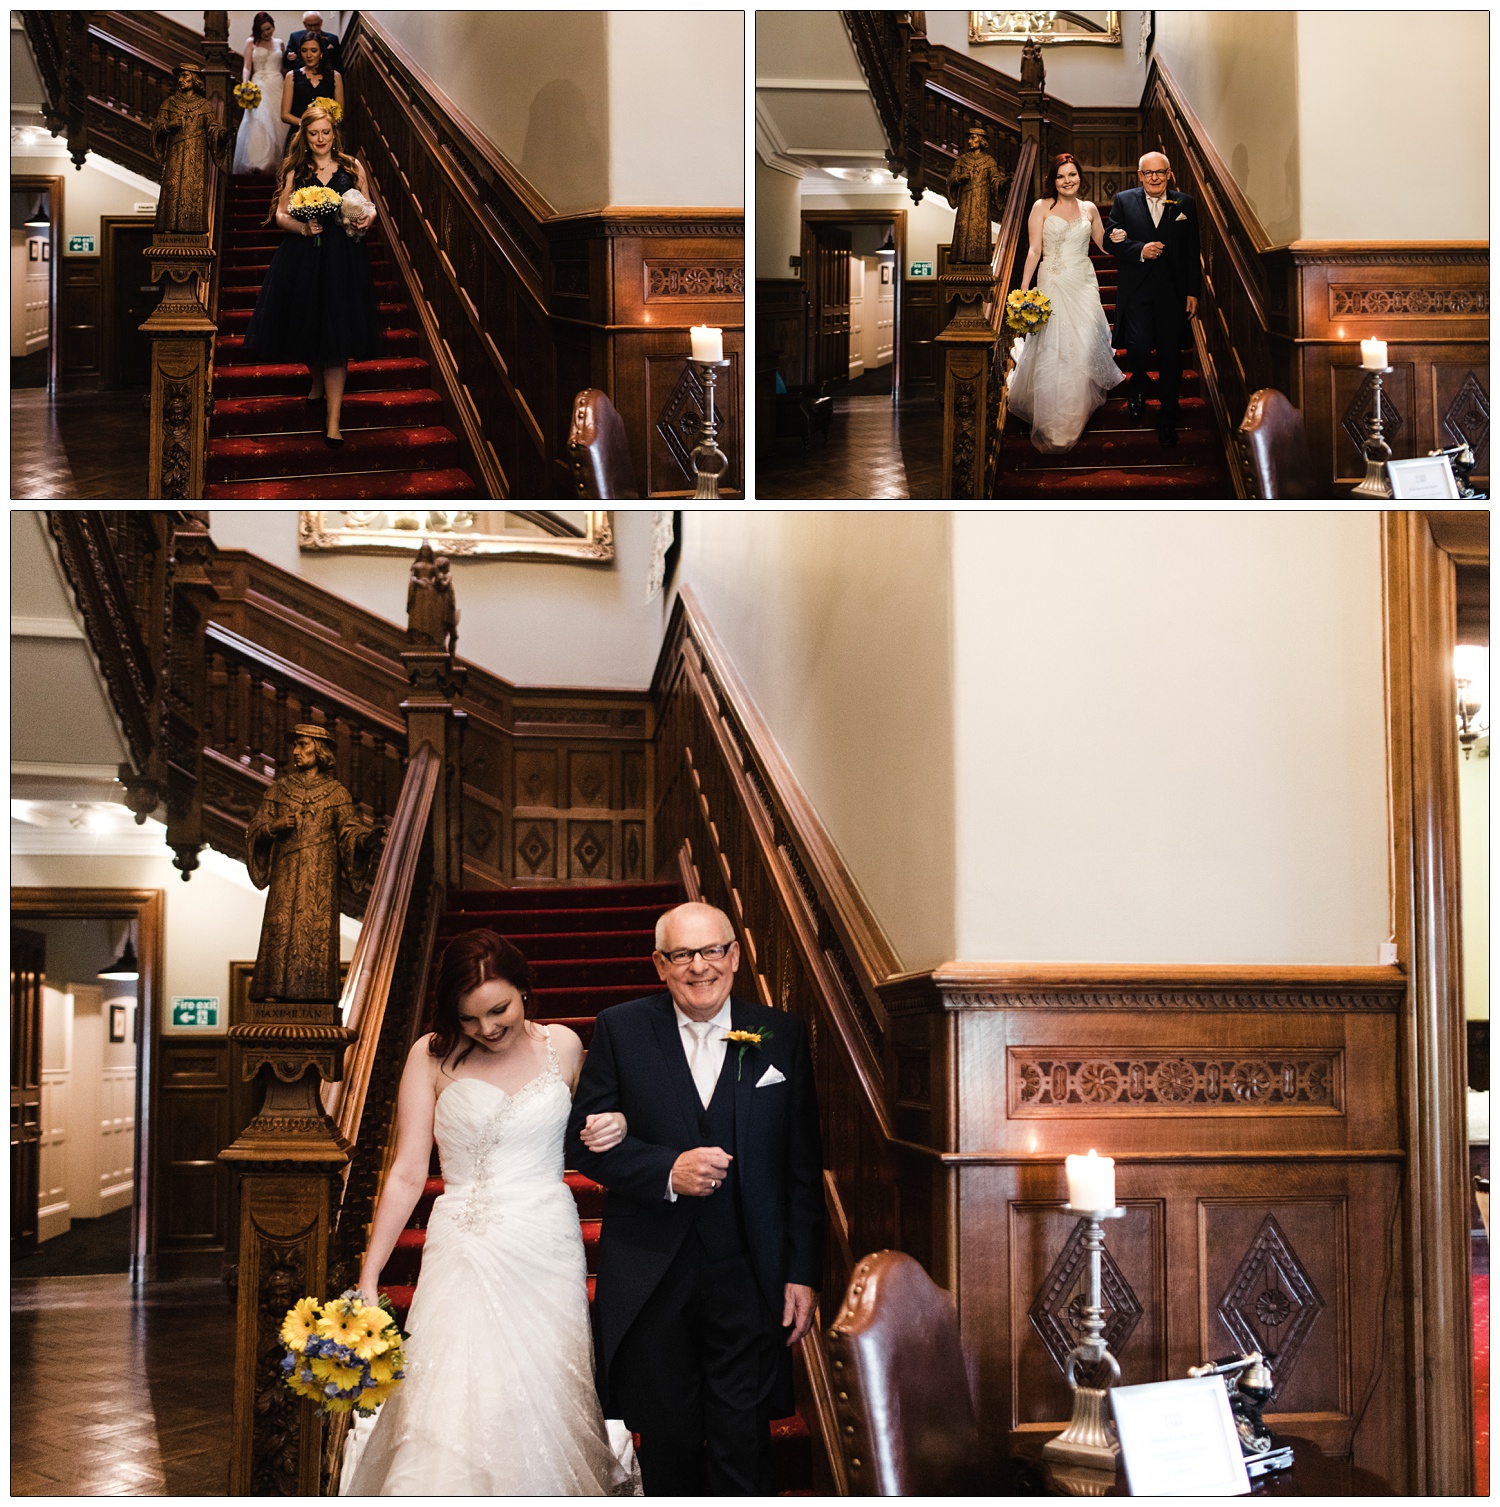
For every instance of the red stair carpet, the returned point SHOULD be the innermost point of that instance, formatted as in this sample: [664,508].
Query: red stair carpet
[1115,456]
[589,948]
[266,443]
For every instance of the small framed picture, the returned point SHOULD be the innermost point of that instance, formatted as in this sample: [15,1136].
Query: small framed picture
[885,272]
[1424,478]
[46,251]
[33,249]
[117,1022]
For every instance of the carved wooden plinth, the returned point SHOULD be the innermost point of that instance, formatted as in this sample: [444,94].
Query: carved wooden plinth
[182,336]
[289,1162]
[968,347]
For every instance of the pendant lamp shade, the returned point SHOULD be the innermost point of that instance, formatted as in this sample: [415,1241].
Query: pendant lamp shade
[125,966]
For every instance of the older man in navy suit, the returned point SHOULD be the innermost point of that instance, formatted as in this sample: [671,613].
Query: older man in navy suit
[312,26]
[711,1248]
[1153,233]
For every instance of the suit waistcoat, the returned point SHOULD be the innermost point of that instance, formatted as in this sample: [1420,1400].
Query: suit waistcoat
[720,1224]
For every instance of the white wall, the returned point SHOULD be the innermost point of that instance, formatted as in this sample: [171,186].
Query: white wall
[1239,72]
[1382,102]
[534,622]
[1078,73]
[839,625]
[99,187]
[1170,737]
[778,221]
[677,108]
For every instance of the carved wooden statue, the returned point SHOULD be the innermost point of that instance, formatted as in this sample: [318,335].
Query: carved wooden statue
[185,137]
[305,842]
[431,610]
[1033,70]
[974,189]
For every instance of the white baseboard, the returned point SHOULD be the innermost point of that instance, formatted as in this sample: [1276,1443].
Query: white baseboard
[117,1196]
[56,1219]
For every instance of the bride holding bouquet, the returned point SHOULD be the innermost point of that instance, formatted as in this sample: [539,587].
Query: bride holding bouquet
[317,305]
[257,147]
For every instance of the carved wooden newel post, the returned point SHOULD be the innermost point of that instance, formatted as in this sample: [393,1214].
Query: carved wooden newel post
[305,843]
[432,717]
[192,142]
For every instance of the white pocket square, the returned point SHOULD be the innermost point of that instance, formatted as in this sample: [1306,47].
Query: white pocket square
[1182,217]
[770,1076]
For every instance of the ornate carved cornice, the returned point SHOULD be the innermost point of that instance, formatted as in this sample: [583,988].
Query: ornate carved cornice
[1051,986]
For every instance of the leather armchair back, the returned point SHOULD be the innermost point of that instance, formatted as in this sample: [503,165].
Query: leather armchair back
[599,449]
[1276,443]
[906,1419]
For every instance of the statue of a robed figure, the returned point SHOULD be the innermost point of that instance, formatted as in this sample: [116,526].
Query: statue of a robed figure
[185,137]
[308,844]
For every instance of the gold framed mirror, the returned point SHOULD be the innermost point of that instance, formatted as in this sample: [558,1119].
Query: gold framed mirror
[585,536]
[1045,26]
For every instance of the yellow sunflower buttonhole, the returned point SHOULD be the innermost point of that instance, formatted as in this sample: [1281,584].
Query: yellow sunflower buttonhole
[744,1040]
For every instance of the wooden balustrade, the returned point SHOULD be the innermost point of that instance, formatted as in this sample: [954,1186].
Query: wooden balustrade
[1008,263]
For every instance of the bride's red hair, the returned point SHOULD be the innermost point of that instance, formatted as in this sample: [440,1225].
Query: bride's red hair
[1054,168]
[472,958]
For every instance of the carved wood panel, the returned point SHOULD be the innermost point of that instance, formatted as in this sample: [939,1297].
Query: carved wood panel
[192,1128]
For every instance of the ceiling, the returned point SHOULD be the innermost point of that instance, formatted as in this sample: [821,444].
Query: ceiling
[814,117]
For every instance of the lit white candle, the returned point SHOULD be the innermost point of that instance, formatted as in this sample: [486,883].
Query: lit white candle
[1091,1182]
[708,343]
[1372,355]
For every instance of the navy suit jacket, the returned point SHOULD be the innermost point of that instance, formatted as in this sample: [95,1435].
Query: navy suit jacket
[1178,266]
[636,1064]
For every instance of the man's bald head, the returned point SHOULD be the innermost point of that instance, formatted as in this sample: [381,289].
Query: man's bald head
[692,913]
[699,985]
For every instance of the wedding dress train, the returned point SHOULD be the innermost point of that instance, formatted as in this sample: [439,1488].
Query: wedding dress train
[1067,367]
[499,1393]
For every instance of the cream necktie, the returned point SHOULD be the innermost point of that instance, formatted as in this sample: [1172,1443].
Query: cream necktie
[700,1059]
[1157,208]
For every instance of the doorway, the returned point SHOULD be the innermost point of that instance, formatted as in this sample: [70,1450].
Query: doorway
[121,1015]
[35,250]
[129,299]
[852,265]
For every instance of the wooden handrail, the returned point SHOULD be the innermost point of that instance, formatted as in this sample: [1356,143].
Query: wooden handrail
[1005,269]
[367,986]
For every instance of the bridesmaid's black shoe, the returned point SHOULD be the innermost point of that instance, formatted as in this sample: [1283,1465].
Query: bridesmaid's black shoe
[312,400]
[332,442]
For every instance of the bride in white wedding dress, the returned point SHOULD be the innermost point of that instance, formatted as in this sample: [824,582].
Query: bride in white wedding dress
[257,147]
[1067,367]
[499,1395]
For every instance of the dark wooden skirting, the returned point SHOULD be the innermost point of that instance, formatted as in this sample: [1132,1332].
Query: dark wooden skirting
[521,308]
[151,1235]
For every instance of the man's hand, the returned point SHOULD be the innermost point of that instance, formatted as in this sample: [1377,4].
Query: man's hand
[1117,236]
[797,1311]
[701,1171]
[1192,305]
[1153,249]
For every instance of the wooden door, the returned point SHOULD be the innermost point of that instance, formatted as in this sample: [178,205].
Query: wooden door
[130,299]
[28,959]
[825,265]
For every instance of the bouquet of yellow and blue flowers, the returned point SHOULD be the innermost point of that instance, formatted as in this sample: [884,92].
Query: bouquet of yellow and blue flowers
[1027,310]
[247,96]
[344,1354]
[334,108]
[313,203]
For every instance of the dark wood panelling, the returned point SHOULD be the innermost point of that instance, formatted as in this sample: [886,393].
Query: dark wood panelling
[80,305]
[193,1127]
[780,343]
[919,357]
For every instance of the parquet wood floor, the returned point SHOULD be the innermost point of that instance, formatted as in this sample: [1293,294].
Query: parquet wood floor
[82,445]
[873,451]
[120,1392]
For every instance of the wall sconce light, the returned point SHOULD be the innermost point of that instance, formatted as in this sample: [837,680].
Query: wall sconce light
[1471,679]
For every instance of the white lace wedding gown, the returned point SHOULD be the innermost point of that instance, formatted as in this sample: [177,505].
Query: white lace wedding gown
[1066,368]
[499,1394]
[257,148]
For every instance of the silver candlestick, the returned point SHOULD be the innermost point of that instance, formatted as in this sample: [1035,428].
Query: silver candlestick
[1090,1438]
[1376,451]
[709,462]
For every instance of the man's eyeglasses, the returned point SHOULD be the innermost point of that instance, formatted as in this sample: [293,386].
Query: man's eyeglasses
[1146,172]
[680,957]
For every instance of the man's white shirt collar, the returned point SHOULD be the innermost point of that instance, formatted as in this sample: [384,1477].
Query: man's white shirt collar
[724,1019]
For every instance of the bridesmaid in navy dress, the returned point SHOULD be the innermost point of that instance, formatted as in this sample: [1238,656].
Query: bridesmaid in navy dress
[311,80]
[317,304]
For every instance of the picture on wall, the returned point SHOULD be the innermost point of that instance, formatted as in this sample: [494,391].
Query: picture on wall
[117,1022]
[32,253]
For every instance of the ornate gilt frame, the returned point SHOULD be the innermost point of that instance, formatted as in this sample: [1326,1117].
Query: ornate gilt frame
[984,30]
[595,545]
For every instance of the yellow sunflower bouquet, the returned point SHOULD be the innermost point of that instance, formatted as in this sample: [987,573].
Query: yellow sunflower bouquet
[247,96]
[312,203]
[1027,310]
[344,1354]
[334,108]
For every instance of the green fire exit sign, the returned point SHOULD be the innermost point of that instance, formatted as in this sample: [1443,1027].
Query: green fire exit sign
[921,269]
[80,243]
[196,1011]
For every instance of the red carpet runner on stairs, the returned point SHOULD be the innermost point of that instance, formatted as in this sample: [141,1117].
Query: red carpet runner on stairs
[1115,456]
[266,443]
[589,948]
